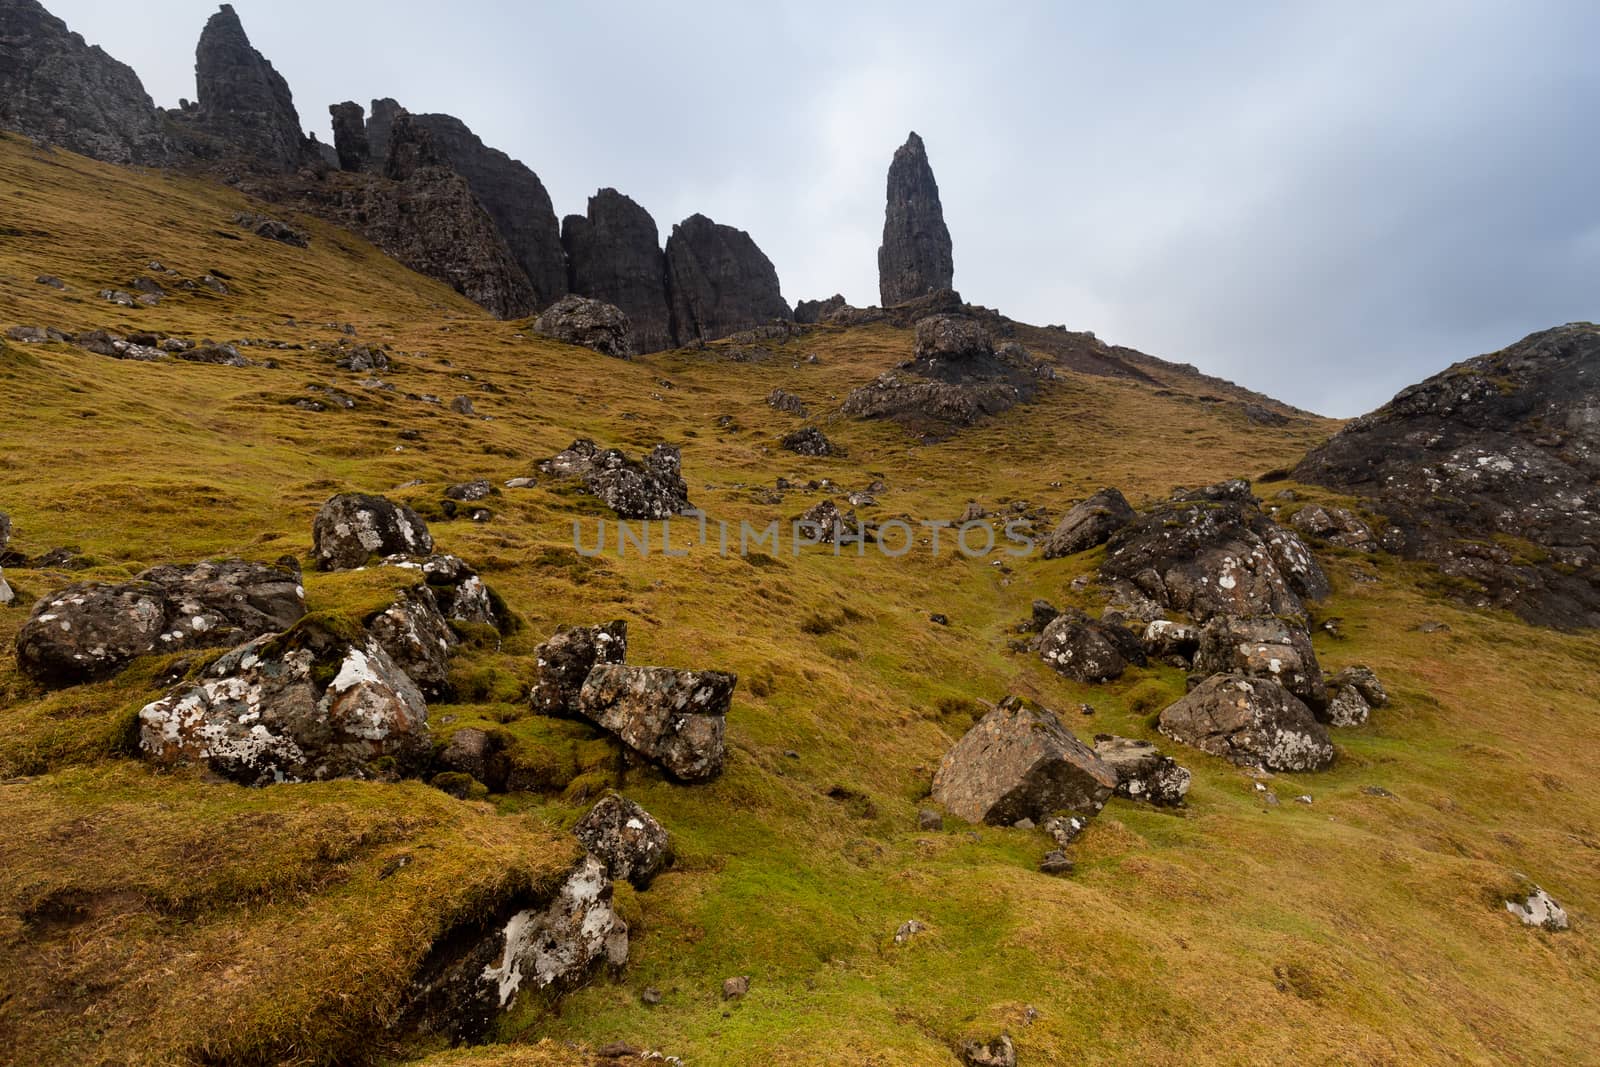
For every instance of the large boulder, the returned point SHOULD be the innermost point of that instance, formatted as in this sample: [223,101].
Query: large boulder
[1019,762]
[91,629]
[718,282]
[1143,773]
[916,255]
[628,839]
[351,528]
[1490,471]
[416,636]
[614,254]
[1081,649]
[1090,523]
[564,662]
[556,942]
[1212,552]
[673,717]
[302,706]
[579,320]
[650,489]
[1250,721]
[1266,647]
[953,338]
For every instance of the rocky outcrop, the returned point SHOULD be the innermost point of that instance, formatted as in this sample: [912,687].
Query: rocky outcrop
[1212,552]
[650,489]
[380,125]
[244,104]
[672,717]
[413,632]
[1019,762]
[578,320]
[1490,471]
[1090,523]
[915,257]
[565,660]
[350,141]
[808,441]
[59,89]
[628,839]
[1340,527]
[351,528]
[813,311]
[1264,647]
[514,198]
[91,629]
[297,707]
[1250,721]
[614,254]
[718,282]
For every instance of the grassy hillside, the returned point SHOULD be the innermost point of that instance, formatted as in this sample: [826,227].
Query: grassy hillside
[156,918]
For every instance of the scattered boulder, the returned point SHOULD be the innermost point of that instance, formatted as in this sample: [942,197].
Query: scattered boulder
[1081,649]
[478,754]
[1251,721]
[461,595]
[736,988]
[824,524]
[953,338]
[786,402]
[652,489]
[674,717]
[628,839]
[470,492]
[581,320]
[416,636]
[1266,647]
[1143,773]
[1346,706]
[564,661]
[51,280]
[1056,862]
[351,528]
[928,819]
[90,629]
[999,1052]
[1091,522]
[1539,909]
[303,706]
[1336,526]
[273,229]
[1020,762]
[808,441]
[916,255]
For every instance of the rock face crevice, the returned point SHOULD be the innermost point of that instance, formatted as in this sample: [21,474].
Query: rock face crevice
[614,255]
[719,281]
[916,256]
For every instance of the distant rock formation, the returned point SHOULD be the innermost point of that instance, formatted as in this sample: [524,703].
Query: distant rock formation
[719,281]
[515,199]
[1489,470]
[915,258]
[614,254]
[379,124]
[243,102]
[810,311]
[411,148]
[59,89]
[350,139]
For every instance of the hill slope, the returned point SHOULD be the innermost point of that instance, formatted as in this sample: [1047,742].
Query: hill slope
[153,918]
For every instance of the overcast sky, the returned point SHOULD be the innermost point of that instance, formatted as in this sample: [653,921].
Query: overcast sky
[1325,203]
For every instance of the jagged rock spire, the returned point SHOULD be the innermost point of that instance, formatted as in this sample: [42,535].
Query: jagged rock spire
[719,281]
[915,257]
[243,101]
[614,254]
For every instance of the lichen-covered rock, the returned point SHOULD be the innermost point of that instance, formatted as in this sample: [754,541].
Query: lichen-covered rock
[1143,773]
[996,1052]
[1346,706]
[1364,681]
[614,254]
[473,977]
[290,708]
[915,257]
[824,524]
[1080,649]
[1540,909]
[808,441]
[786,402]
[651,489]
[1091,522]
[1020,762]
[92,628]
[414,633]
[628,839]
[1171,642]
[1250,721]
[351,528]
[564,661]
[580,320]
[718,282]
[1336,526]
[952,337]
[1212,552]
[1266,647]
[673,717]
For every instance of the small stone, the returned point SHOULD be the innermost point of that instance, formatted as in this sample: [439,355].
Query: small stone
[651,995]
[1066,829]
[1539,909]
[462,405]
[734,988]
[928,819]
[939,619]
[1376,791]
[1023,824]
[1055,862]
[908,929]
[996,1053]
[522,483]
[1303,798]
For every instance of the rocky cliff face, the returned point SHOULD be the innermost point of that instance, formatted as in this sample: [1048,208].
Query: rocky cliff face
[614,254]
[719,282]
[350,141]
[56,87]
[915,257]
[243,102]
[515,199]
[1490,470]
[379,125]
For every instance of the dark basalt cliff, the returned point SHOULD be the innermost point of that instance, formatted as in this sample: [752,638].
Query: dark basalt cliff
[915,258]
[243,102]
[614,254]
[719,281]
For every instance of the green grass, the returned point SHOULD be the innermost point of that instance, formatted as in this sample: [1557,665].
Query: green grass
[199,922]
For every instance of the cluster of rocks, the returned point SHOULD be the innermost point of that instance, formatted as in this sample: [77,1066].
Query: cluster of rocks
[1498,451]
[1258,695]
[674,718]
[651,488]
[143,346]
